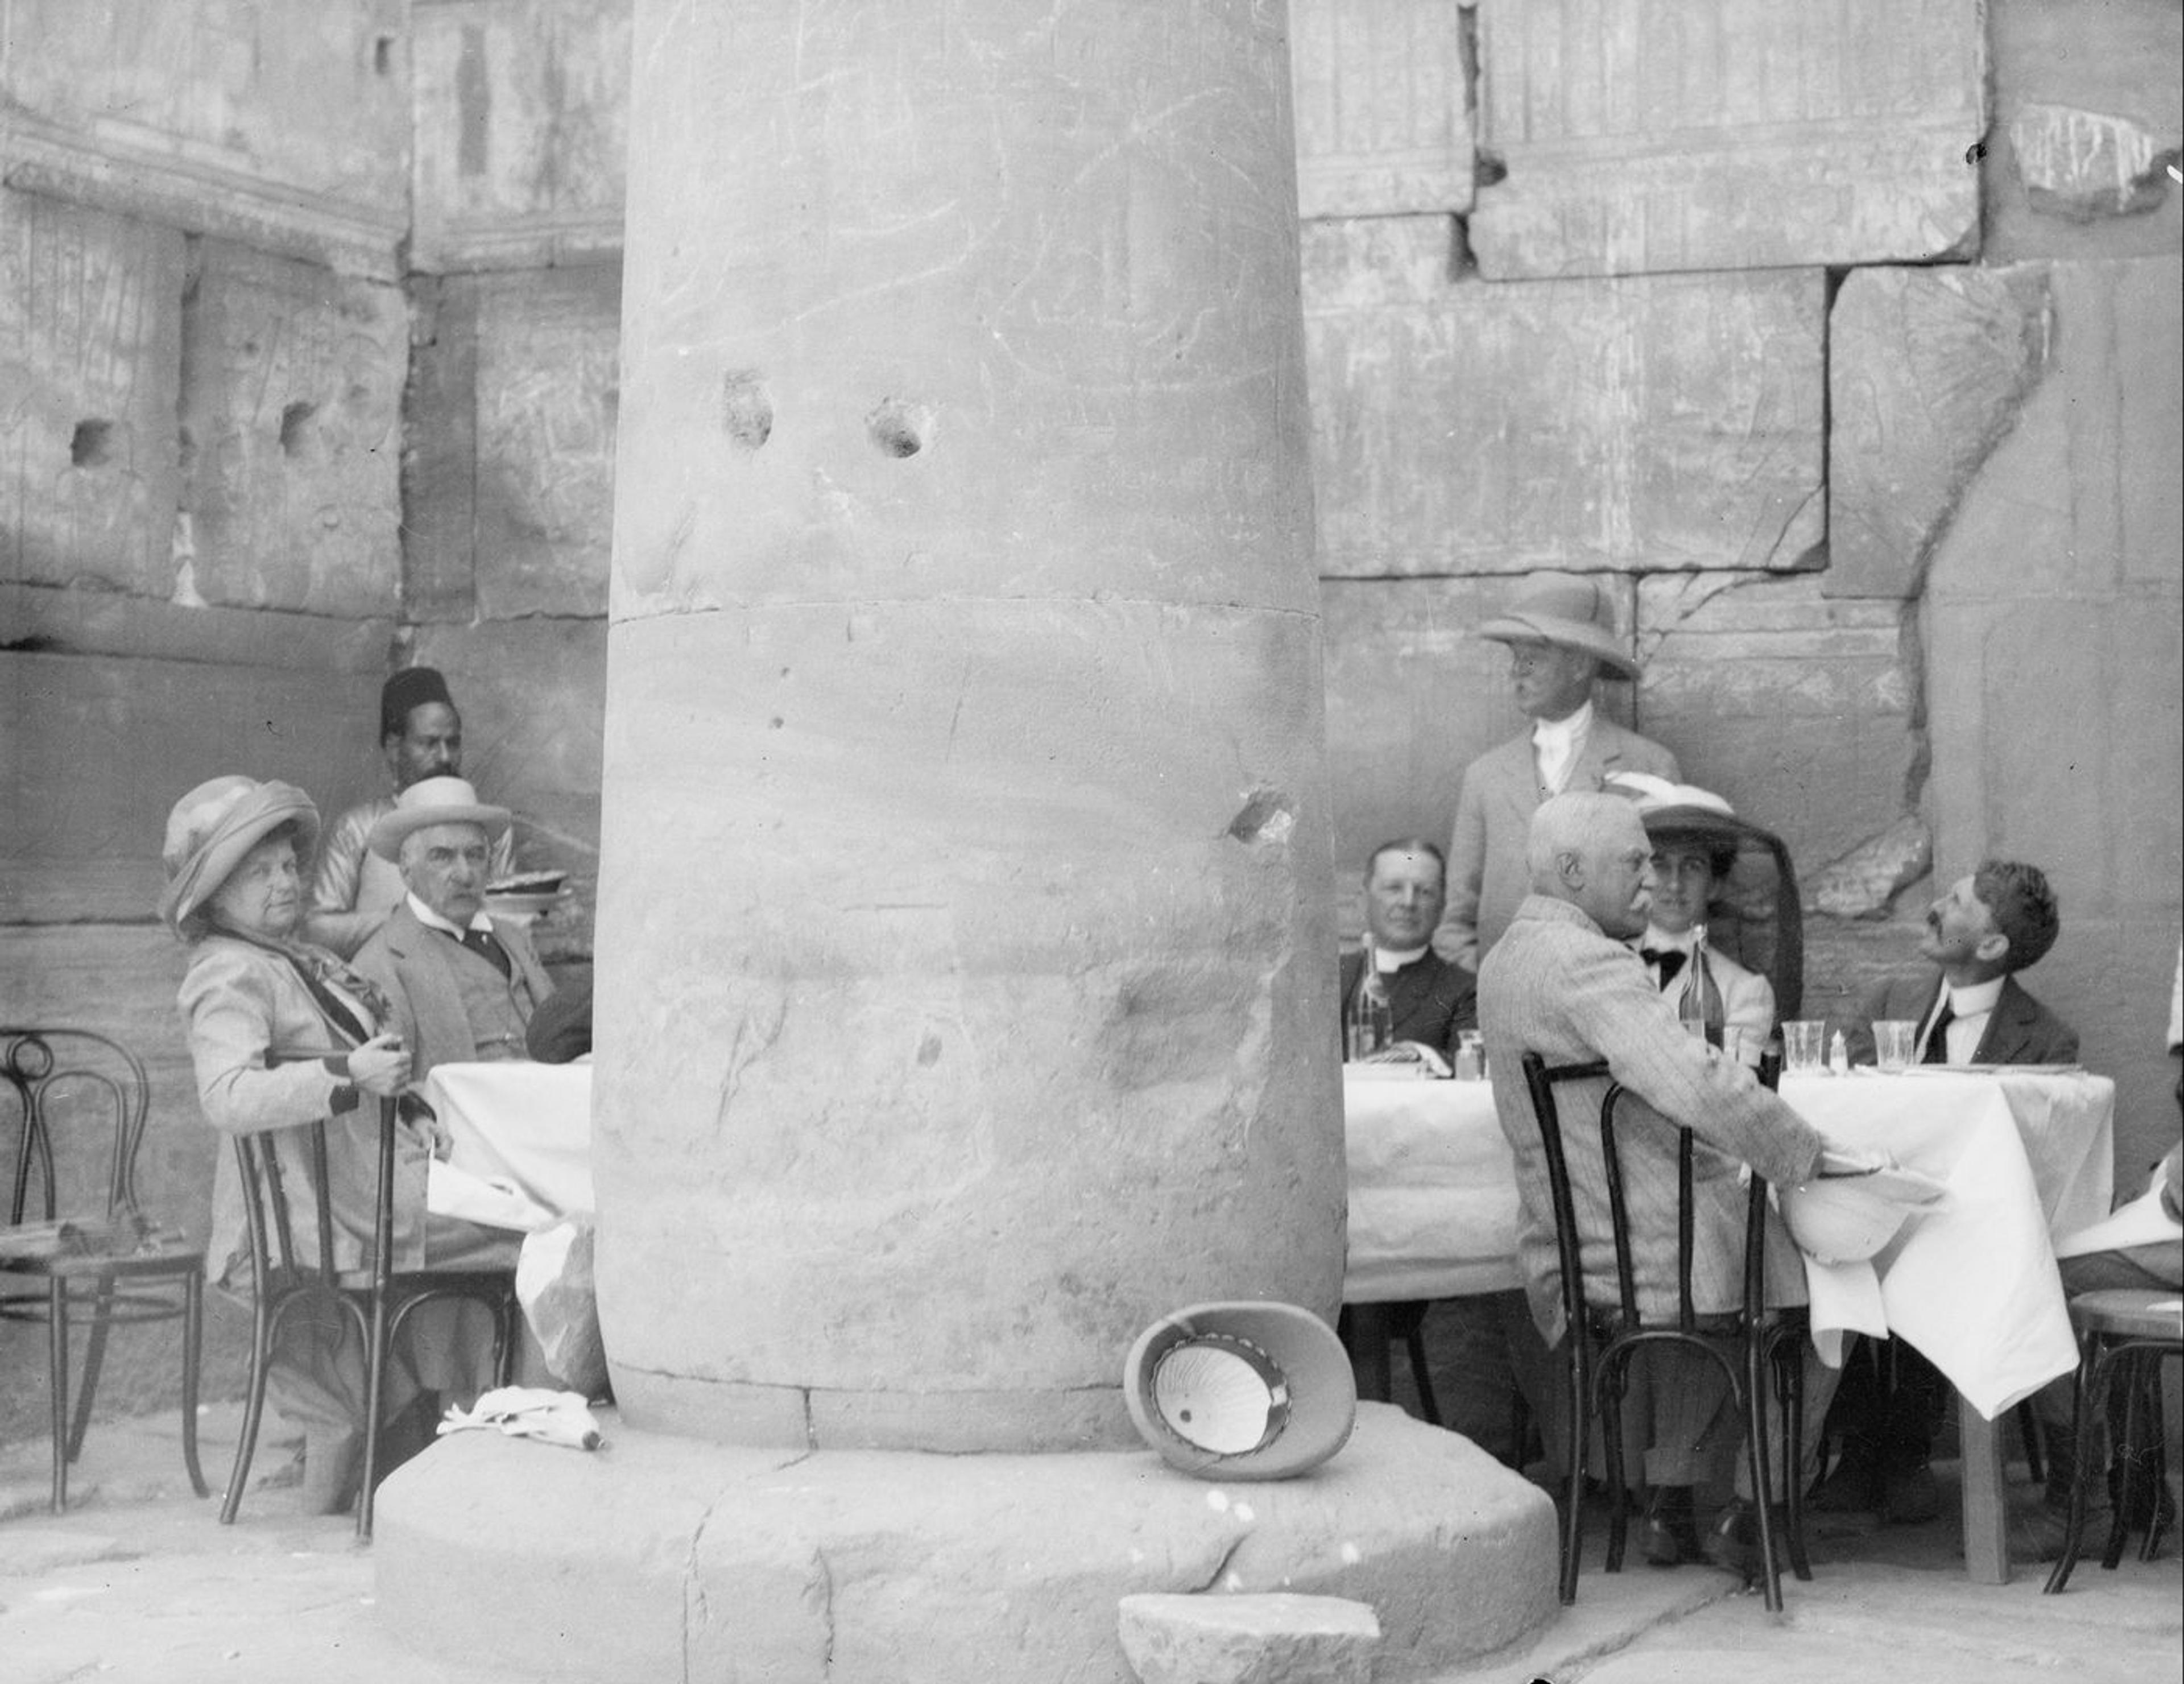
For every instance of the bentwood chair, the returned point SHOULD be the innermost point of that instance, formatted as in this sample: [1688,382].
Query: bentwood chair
[2124,1336]
[1746,1345]
[291,1273]
[80,1102]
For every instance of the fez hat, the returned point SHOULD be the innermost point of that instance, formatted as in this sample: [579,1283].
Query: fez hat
[210,830]
[1241,1391]
[1567,611]
[1847,1216]
[411,687]
[434,800]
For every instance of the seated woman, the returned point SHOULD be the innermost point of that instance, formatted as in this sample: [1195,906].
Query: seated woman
[283,1033]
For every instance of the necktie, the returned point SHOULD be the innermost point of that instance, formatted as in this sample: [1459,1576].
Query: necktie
[481,942]
[1670,960]
[1937,1038]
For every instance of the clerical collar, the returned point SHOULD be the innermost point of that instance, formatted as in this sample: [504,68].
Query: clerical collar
[432,920]
[1559,734]
[1659,940]
[1970,1002]
[1394,958]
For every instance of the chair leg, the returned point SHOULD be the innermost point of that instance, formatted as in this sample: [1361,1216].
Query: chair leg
[1609,1386]
[254,1409]
[57,1347]
[2081,1419]
[1763,1497]
[1789,1366]
[2029,1434]
[1414,1347]
[2123,1455]
[192,1349]
[1580,1431]
[94,1359]
[2156,1459]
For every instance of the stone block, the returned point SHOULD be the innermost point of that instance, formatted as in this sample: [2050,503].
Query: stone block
[1657,422]
[1926,369]
[544,429]
[439,454]
[283,126]
[1728,134]
[1264,1639]
[1863,882]
[660,1555]
[1383,122]
[90,347]
[533,695]
[292,404]
[522,122]
[2089,105]
[1799,709]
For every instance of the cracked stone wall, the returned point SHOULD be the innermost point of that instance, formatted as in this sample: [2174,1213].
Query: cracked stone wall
[1845,338]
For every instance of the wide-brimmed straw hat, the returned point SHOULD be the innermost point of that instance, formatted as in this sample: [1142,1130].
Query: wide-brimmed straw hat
[435,800]
[1567,611]
[210,830]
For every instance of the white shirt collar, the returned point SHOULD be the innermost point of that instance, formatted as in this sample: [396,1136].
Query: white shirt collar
[1560,733]
[1386,959]
[1978,1000]
[1662,942]
[432,920]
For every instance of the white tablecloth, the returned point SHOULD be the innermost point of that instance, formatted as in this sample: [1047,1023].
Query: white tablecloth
[1433,1191]
[520,1121]
[2027,1159]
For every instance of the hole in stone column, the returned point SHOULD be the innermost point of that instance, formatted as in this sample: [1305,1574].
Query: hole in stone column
[295,426]
[93,446]
[1266,816]
[898,428]
[746,410]
[382,55]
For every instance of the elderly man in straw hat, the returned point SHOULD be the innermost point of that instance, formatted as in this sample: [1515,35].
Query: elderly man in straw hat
[463,987]
[1562,636]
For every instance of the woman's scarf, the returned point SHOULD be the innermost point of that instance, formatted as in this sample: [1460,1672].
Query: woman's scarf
[322,974]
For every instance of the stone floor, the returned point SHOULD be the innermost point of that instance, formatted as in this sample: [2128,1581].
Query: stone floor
[138,1581]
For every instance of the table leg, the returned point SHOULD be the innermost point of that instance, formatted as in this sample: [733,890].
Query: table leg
[1365,1328]
[1987,1513]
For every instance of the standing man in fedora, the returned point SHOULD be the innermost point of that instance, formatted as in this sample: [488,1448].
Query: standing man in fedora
[463,987]
[1562,638]
[420,735]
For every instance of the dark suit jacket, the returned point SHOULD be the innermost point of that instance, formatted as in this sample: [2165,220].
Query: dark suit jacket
[2020,1031]
[1431,1000]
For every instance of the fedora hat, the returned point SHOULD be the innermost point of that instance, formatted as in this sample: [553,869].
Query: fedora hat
[1253,1390]
[1568,612]
[435,800]
[210,830]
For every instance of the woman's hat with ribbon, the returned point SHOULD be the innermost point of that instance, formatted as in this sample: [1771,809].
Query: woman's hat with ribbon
[212,828]
[435,800]
[1567,611]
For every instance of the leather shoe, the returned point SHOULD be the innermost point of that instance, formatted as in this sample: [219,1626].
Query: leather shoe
[1909,1496]
[1733,1541]
[1669,1537]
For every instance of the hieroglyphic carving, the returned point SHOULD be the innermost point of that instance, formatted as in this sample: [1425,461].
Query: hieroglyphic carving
[1381,123]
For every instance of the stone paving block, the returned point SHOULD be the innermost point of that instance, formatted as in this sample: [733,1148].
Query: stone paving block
[1728,134]
[1797,708]
[521,123]
[1265,1639]
[2088,98]
[1382,125]
[89,346]
[1670,421]
[286,126]
[1926,370]
[292,404]
[548,344]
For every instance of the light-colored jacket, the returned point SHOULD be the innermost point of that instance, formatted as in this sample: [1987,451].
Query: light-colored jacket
[1487,875]
[412,964]
[1557,985]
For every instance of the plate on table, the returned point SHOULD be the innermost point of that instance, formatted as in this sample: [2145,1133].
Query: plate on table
[527,896]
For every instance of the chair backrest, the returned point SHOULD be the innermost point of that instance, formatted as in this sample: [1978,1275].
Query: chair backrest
[267,1200]
[79,1099]
[1540,1081]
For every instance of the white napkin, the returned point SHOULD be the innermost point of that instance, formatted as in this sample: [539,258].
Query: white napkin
[529,1412]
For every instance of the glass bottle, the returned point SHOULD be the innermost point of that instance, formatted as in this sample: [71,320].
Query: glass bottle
[1370,1025]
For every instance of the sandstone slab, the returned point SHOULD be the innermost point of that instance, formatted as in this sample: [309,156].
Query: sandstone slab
[282,126]
[1263,1639]
[90,347]
[1926,369]
[660,1554]
[1728,134]
[522,117]
[1383,122]
[291,403]
[1650,423]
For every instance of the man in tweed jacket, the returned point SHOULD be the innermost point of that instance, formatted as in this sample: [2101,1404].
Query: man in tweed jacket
[1562,984]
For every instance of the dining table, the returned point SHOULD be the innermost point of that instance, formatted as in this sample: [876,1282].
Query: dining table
[2025,1155]
[519,1125]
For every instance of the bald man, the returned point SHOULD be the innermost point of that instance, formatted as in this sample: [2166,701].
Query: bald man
[1562,984]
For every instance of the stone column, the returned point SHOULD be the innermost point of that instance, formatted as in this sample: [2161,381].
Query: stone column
[965,960]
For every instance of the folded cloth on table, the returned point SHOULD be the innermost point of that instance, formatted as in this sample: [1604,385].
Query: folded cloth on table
[529,1412]
[492,1202]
